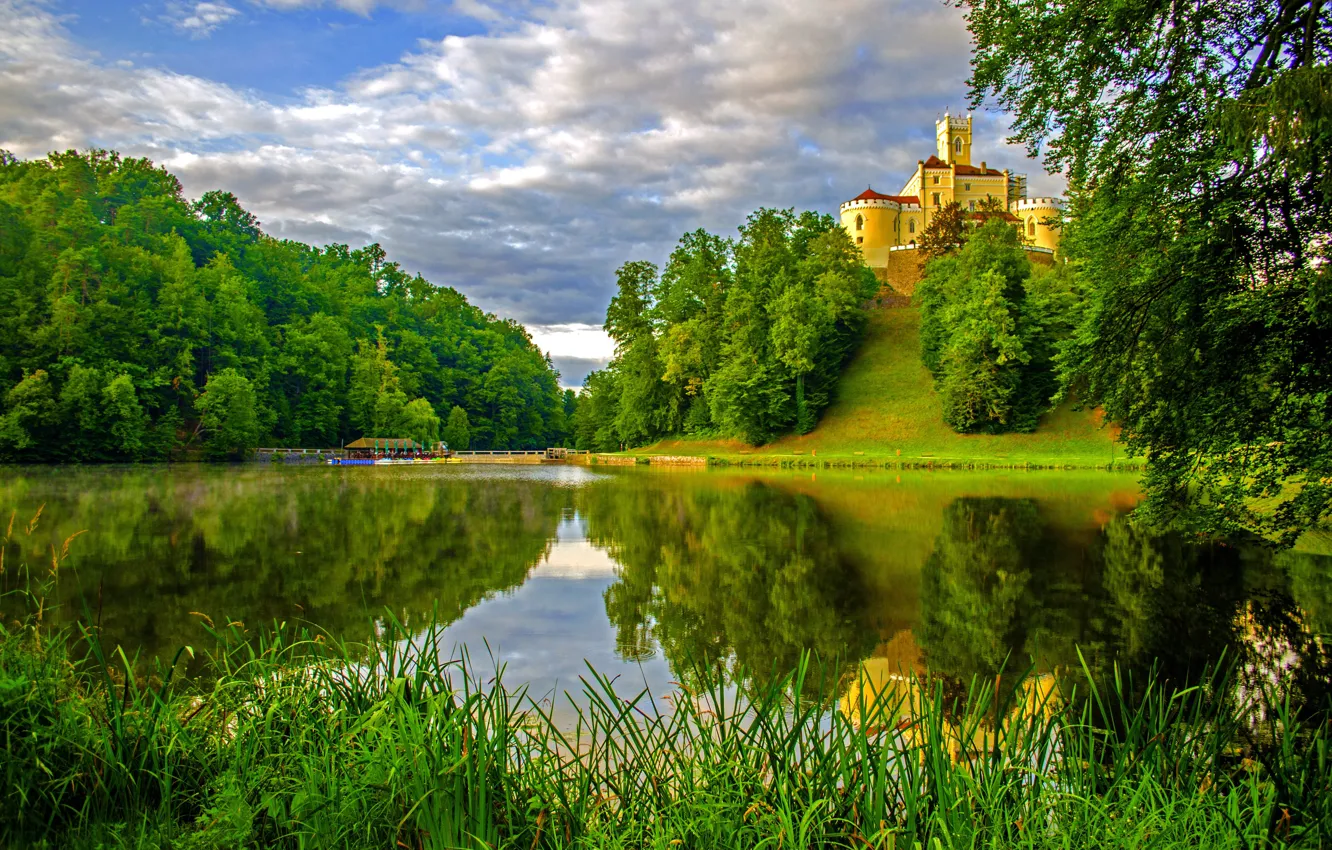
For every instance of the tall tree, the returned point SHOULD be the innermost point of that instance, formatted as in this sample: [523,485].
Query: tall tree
[978,333]
[228,414]
[457,434]
[1196,139]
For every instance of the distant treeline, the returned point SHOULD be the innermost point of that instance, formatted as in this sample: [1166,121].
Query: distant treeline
[135,324]
[735,338]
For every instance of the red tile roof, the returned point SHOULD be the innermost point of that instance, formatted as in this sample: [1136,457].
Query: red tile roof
[871,195]
[935,162]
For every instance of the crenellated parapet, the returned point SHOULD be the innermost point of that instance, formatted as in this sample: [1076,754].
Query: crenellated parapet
[880,203]
[1039,219]
[1025,204]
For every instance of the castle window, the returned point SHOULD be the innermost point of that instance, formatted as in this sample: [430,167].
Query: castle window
[936,198]
[936,180]
[860,222]
[860,240]
[966,187]
[1031,226]
[971,205]
[911,228]
[957,145]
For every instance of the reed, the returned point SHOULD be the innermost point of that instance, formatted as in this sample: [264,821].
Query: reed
[300,740]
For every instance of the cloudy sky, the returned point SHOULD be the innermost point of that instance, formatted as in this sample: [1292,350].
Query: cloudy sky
[519,150]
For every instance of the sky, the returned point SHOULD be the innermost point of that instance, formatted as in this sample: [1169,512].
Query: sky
[519,151]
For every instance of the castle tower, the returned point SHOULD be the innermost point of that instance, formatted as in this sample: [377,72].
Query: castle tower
[1039,220]
[880,224]
[953,139]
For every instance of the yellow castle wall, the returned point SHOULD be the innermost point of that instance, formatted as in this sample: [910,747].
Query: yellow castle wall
[1039,215]
[875,234]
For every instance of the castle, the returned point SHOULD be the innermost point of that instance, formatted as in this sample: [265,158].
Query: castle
[887,227]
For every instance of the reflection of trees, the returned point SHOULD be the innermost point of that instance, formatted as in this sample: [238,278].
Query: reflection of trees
[1171,601]
[750,574]
[974,591]
[328,546]
[1311,586]
[1002,582]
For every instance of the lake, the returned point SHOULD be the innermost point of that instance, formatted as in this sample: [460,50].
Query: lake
[645,572]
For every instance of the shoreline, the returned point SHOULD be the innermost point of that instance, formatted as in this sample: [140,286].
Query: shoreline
[798,460]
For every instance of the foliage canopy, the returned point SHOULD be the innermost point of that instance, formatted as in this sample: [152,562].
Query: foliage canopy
[1197,140]
[133,322]
[741,338]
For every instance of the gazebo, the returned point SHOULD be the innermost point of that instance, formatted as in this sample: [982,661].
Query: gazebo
[374,446]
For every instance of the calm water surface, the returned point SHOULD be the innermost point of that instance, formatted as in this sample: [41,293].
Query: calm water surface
[643,573]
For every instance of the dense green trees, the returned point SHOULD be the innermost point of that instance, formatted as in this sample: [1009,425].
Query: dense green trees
[990,325]
[742,338]
[134,323]
[1197,140]
[228,413]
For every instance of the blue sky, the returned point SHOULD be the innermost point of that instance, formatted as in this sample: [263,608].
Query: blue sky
[273,51]
[519,151]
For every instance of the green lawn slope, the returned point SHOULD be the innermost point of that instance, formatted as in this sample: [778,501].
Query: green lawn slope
[886,409]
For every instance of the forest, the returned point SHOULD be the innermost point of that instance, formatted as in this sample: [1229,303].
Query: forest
[735,337]
[138,325]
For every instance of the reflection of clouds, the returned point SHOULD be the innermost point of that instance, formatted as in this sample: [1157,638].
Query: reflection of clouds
[575,561]
[559,474]
[547,632]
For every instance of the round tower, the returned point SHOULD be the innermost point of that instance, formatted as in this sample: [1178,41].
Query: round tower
[1040,219]
[876,223]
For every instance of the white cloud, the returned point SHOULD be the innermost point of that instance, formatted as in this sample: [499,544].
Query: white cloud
[522,165]
[573,339]
[198,20]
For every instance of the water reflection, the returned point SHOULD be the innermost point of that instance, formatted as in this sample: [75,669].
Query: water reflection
[330,547]
[545,633]
[649,574]
[747,576]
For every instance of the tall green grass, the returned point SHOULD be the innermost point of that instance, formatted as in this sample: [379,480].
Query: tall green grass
[296,740]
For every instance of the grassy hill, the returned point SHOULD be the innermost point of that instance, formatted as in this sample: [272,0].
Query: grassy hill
[887,409]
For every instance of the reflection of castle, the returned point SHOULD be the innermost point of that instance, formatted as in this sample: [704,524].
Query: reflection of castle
[893,693]
[887,227]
